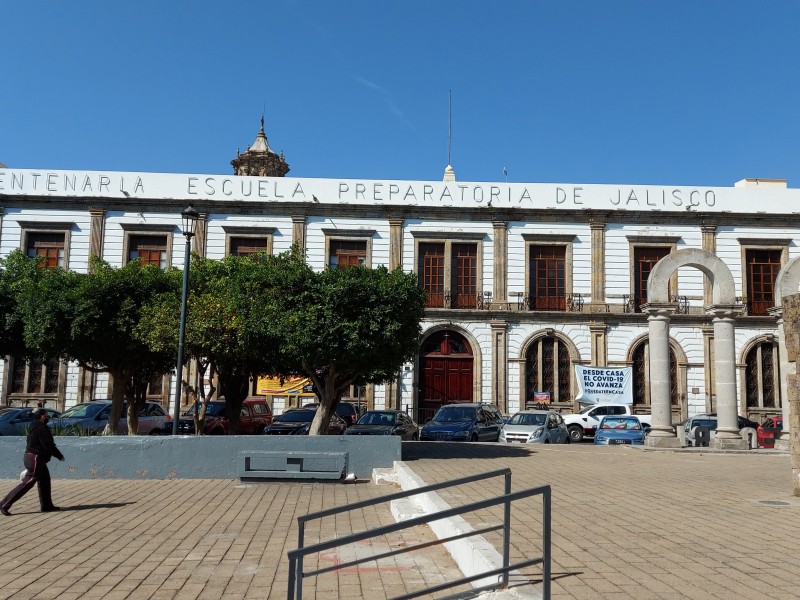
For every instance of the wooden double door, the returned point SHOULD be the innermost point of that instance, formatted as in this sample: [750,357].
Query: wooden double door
[446,371]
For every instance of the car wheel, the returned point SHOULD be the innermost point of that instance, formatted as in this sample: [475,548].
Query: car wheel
[567,439]
[474,437]
[576,434]
[216,432]
[415,437]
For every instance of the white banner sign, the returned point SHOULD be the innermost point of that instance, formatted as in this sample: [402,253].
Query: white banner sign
[601,385]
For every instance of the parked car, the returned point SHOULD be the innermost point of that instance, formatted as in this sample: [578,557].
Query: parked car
[253,417]
[89,418]
[385,422]
[619,429]
[16,420]
[535,427]
[472,422]
[710,420]
[768,430]
[346,411]
[297,421]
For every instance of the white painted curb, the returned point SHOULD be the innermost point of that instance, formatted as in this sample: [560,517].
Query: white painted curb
[473,555]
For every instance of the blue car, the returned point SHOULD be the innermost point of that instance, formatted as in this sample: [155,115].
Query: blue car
[17,420]
[619,429]
[468,422]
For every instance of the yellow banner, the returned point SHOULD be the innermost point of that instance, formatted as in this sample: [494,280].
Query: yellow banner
[294,386]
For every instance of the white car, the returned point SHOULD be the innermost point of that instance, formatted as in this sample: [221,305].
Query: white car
[535,427]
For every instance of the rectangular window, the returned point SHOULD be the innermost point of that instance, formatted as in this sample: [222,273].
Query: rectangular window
[149,249]
[644,259]
[245,246]
[346,253]
[48,246]
[464,271]
[547,277]
[762,270]
[431,273]
[35,377]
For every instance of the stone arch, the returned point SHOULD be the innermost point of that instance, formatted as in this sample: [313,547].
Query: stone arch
[529,344]
[788,281]
[723,289]
[682,369]
[477,359]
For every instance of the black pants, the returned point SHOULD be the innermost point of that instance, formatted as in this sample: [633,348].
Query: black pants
[37,474]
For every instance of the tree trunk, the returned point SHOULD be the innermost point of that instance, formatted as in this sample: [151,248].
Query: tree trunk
[117,400]
[330,390]
[236,387]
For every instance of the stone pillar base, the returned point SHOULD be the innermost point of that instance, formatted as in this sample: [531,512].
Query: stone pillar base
[725,443]
[662,441]
[782,444]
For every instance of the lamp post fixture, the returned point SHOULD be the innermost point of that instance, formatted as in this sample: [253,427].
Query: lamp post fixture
[189,220]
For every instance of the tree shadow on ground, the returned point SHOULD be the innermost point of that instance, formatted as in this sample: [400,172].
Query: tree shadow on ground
[419,450]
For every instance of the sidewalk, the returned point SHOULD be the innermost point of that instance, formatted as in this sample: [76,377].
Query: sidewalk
[626,524]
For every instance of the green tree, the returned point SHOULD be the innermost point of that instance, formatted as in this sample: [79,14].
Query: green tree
[92,318]
[233,325]
[355,325]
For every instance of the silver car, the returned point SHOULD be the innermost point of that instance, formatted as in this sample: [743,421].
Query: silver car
[535,427]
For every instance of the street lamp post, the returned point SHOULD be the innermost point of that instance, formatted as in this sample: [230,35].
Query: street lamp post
[189,218]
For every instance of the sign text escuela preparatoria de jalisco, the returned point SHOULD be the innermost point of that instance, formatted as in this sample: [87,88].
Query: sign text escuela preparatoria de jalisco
[33,182]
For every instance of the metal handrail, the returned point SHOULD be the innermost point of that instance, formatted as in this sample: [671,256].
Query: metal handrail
[296,573]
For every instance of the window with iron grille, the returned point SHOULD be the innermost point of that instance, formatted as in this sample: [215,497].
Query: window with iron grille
[644,259]
[431,272]
[35,377]
[464,271]
[761,376]
[149,249]
[548,368]
[48,247]
[762,271]
[548,277]
[346,253]
[247,246]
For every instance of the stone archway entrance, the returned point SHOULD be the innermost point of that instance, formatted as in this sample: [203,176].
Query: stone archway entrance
[786,284]
[446,367]
[723,308]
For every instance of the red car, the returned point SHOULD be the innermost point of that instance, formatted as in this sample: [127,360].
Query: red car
[767,431]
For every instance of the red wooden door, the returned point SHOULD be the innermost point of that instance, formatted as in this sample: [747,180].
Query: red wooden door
[447,366]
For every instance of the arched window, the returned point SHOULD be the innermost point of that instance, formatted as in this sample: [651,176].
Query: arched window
[761,376]
[548,368]
[641,376]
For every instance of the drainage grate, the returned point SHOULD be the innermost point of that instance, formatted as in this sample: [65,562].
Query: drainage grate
[774,502]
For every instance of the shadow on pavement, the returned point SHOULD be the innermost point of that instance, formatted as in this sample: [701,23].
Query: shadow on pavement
[93,506]
[418,450]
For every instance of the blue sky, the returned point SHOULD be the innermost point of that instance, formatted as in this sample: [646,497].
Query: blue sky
[686,92]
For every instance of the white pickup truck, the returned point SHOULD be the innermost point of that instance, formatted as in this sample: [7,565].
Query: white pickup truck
[584,423]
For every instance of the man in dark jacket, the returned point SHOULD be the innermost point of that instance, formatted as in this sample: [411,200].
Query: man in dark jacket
[40,449]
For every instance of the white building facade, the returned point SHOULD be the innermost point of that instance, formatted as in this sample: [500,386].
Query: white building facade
[524,280]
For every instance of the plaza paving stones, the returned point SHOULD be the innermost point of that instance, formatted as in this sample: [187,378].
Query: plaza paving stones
[627,523]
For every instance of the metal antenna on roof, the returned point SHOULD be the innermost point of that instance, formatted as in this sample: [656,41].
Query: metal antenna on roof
[449,125]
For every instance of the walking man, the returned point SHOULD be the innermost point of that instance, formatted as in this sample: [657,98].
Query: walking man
[40,449]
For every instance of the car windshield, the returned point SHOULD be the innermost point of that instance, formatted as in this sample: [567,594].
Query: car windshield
[710,423]
[83,411]
[296,416]
[620,423]
[377,418]
[455,414]
[215,409]
[585,409]
[528,419]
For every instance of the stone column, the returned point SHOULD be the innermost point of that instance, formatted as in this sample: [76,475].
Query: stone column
[727,435]
[709,242]
[598,229]
[787,369]
[500,279]
[661,435]
[708,367]
[791,316]
[299,232]
[500,364]
[395,243]
[599,333]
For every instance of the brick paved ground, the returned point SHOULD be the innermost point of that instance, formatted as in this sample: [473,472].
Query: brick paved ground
[626,524]
[629,523]
[198,539]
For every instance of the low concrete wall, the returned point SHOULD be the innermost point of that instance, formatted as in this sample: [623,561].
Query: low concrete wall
[192,457]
